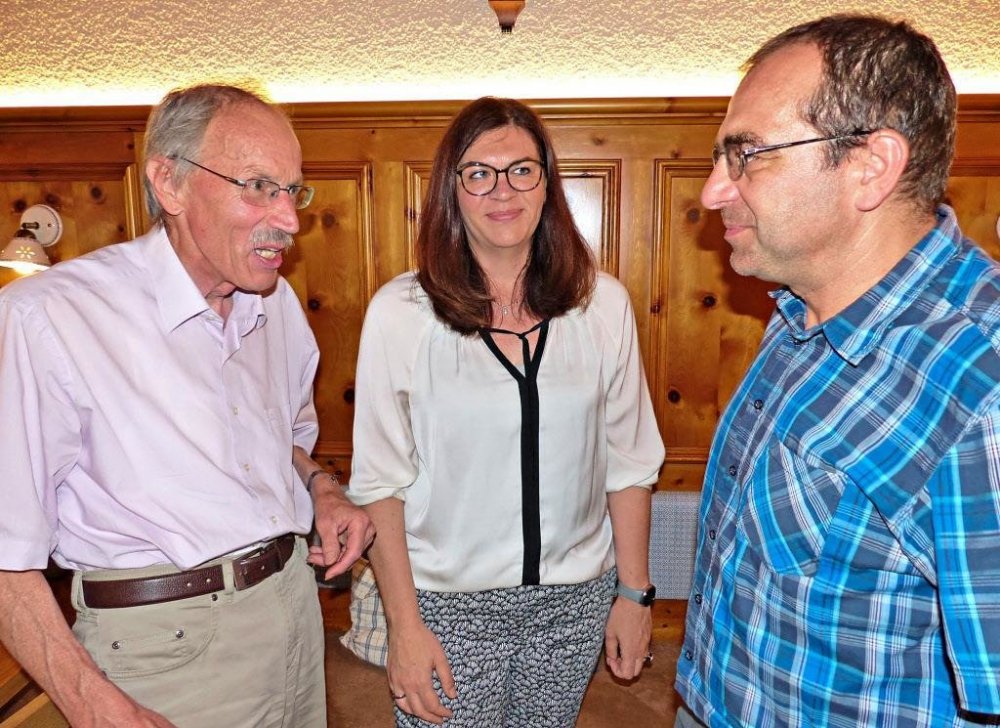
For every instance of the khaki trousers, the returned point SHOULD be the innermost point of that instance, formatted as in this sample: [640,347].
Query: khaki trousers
[232,658]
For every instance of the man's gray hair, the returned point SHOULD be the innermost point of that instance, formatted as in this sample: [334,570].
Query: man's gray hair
[177,126]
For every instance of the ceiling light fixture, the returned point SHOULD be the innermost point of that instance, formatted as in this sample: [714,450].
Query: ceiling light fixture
[507,12]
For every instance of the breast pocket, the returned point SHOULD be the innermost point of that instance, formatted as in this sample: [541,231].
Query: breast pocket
[788,506]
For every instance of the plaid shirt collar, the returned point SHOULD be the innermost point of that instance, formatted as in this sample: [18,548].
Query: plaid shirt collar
[857,330]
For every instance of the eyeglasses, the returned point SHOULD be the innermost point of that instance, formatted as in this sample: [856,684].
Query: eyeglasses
[737,154]
[481,179]
[262,192]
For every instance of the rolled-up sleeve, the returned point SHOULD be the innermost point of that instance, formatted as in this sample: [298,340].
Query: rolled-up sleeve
[41,435]
[385,457]
[635,448]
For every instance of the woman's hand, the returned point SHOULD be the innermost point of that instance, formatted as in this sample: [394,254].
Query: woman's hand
[415,655]
[626,638]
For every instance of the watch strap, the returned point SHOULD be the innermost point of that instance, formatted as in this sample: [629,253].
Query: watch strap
[644,596]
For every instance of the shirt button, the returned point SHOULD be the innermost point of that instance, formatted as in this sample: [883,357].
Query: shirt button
[246,466]
[711,534]
[236,410]
[733,470]
[274,519]
[758,404]
[697,598]
[688,655]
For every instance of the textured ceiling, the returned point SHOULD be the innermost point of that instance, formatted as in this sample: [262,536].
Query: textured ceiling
[81,52]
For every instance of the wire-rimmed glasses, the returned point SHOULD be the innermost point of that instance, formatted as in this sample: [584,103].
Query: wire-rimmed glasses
[481,179]
[737,153]
[262,192]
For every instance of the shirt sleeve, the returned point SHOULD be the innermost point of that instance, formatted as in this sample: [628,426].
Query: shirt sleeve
[41,435]
[635,448]
[965,503]
[305,426]
[385,457]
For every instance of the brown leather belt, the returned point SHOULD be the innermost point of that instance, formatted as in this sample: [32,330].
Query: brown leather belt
[249,569]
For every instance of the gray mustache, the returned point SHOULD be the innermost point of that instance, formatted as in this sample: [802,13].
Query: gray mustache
[262,237]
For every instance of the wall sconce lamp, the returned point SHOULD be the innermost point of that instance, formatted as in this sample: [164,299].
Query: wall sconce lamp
[507,12]
[40,228]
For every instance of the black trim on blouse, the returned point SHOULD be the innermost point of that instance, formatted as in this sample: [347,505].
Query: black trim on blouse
[527,387]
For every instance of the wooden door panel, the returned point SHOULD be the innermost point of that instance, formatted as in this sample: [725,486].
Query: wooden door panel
[593,191]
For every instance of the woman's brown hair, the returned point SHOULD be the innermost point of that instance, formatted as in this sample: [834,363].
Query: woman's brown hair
[560,272]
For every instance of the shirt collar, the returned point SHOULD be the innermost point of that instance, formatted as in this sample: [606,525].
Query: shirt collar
[857,330]
[179,299]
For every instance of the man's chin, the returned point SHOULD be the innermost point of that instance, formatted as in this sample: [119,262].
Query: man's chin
[745,265]
[262,282]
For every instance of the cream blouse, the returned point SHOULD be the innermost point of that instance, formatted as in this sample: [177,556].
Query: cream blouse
[504,467]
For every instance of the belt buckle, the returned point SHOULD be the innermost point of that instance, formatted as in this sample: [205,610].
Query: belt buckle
[252,568]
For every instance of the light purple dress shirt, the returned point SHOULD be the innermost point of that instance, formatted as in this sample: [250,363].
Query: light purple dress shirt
[137,428]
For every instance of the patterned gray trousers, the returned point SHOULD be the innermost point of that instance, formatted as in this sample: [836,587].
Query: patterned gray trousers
[521,657]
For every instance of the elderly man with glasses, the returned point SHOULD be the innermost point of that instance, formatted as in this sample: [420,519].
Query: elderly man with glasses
[845,573]
[157,405]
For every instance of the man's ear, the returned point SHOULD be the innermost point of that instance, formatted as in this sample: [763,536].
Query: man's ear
[160,171]
[880,165]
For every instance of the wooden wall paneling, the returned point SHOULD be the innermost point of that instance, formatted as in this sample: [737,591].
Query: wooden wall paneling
[387,144]
[332,271]
[974,185]
[83,168]
[418,177]
[712,325]
[634,136]
[976,199]
[598,161]
[93,201]
[593,191]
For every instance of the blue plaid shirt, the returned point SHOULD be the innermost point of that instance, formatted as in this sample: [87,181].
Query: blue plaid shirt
[848,563]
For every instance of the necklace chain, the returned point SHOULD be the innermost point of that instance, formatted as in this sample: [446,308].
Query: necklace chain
[506,308]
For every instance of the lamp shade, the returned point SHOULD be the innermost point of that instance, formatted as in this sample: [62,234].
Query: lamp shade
[25,252]
[507,12]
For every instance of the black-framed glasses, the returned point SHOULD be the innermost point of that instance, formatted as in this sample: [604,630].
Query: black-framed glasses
[481,179]
[737,154]
[262,192]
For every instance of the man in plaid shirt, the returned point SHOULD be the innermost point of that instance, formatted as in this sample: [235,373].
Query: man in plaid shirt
[846,572]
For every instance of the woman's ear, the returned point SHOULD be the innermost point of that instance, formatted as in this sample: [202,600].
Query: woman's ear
[160,171]
[881,163]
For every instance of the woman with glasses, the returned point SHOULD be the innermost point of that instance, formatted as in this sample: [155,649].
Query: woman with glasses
[504,445]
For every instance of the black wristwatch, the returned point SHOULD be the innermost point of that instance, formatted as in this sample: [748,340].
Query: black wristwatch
[644,597]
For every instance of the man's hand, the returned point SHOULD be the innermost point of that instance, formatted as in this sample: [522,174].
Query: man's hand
[33,630]
[109,707]
[344,529]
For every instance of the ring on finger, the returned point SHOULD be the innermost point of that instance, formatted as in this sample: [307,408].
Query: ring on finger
[649,658]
